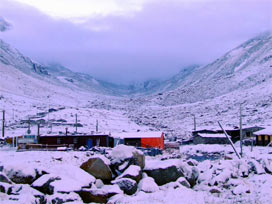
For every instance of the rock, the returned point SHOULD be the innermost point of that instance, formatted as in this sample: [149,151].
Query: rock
[5,187]
[148,185]
[128,185]
[163,171]
[192,162]
[99,183]
[4,178]
[99,195]
[267,165]
[72,179]
[182,181]
[241,189]
[122,153]
[42,184]
[60,198]
[133,172]
[255,167]
[190,173]
[25,194]
[215,190]
[21,173]
[98,167]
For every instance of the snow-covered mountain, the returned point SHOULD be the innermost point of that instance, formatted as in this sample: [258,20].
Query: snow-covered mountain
[244,67]
[214,93]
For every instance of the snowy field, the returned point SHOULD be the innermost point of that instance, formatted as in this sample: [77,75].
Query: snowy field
[226,179]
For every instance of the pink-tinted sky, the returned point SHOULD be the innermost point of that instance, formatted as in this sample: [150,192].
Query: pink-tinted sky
[153,41]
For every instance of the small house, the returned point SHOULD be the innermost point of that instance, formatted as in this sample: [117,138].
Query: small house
[150,139]
[264,137]
[210,138]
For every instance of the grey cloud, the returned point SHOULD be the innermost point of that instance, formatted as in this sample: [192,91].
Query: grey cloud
[155,43]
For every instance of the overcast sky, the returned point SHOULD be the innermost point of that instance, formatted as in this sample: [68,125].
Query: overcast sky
[130,40]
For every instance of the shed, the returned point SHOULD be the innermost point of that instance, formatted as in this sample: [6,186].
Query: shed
[152,139]
[264,137]
[210,138]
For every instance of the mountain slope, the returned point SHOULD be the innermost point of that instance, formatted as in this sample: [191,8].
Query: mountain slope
[243,67]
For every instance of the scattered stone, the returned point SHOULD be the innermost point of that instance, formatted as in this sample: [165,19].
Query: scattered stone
[255,167]
[241,189]
[4,178]
[215,190]
[60,198]
[99,183]
[182,181]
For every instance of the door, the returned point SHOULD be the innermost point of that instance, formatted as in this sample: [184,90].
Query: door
[89,143]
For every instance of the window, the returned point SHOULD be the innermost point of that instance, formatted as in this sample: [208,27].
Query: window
[75,140]
[59,141]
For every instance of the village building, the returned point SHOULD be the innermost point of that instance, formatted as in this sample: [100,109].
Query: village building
[76,140]
[216,136]
[152,139]
[264,137]
[210,138]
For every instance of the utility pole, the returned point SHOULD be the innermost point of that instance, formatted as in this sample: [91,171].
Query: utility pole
[241,131]
[76,123]
[96,127]
[194,122]
[28,130]
[3,124]
[38,132]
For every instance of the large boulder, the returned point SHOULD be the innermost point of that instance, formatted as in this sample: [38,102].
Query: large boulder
[22,173]
[99,195]
[72,179]
[133,172]
[98,166]
[43,184]
[123,156]
[128,185]
[163,171]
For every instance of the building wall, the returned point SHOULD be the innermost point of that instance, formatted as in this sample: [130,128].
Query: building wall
[210,140]
[77,141]
[153,142]
[263,140]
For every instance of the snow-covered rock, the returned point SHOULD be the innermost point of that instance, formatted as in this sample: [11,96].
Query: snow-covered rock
[60,198]
[163,172]
[43,184]
[133,172]
[99,195]
[124,153]
[21,173]
[128,185]
[148,185]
